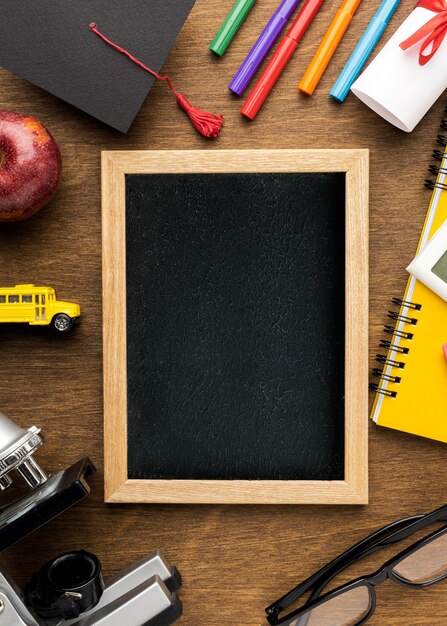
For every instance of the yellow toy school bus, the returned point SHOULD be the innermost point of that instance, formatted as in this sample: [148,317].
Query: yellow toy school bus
[37,306]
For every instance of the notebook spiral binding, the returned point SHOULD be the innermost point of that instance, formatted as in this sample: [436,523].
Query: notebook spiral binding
[405,322]
[439,155]
[384,374]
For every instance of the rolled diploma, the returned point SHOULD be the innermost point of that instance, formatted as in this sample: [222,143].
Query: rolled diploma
[395,86]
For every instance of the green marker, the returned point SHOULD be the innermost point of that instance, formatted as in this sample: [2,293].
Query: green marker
[231,25]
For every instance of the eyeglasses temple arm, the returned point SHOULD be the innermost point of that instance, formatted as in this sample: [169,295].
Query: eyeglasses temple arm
[399,535]
[396,531]
[410,526]
[330,570]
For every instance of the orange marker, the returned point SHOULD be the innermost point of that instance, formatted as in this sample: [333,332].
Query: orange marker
[328,46]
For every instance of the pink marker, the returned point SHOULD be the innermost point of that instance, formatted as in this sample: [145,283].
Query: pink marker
[444,349]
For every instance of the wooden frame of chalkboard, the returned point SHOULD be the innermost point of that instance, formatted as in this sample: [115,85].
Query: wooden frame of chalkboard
[119,488]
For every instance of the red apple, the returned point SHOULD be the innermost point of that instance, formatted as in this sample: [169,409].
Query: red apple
[30,166]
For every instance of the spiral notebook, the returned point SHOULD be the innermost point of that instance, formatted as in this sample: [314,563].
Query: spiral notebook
[412,378]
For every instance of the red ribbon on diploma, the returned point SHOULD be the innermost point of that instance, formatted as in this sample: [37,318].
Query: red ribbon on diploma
[432,33]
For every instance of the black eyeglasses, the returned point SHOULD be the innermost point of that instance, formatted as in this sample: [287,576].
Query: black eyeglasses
[422,564]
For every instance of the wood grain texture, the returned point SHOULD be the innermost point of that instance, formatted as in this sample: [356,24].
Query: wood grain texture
[352,490]
[114,324]
[234,560]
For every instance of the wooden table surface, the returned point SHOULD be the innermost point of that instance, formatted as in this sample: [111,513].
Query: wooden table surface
[234,560]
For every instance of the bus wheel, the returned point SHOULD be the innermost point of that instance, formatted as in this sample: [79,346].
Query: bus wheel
[62,322]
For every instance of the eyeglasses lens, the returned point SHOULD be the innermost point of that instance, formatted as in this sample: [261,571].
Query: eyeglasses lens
[426,565]
[346,609]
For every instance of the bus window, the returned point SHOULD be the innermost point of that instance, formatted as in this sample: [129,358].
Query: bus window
[27,299]
[2,299]
[36,299]
[13,299]
[43,299]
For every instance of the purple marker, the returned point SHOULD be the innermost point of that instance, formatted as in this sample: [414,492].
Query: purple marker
[260,50]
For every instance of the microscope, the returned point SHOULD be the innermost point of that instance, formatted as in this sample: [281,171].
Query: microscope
[69,590]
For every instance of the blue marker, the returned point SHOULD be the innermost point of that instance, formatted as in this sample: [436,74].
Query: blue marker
[363,49]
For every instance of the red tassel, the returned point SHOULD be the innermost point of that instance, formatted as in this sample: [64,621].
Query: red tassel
[208,124]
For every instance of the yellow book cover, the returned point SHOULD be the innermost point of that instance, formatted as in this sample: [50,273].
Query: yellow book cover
[412,389]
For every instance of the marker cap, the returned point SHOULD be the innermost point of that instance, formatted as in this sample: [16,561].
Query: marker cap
[268,78]
[230,26]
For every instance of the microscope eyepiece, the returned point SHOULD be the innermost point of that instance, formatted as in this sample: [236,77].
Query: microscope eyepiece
[67,586]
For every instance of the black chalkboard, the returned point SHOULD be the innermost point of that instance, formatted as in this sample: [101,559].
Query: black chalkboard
[235,326]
